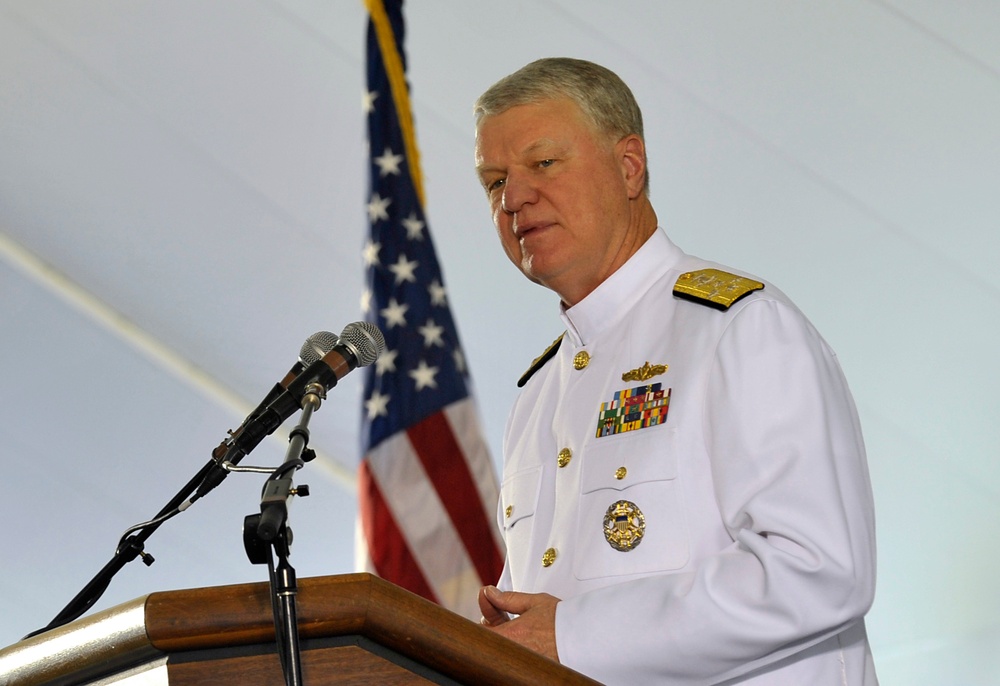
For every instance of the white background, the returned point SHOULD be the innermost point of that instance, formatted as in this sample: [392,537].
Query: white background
[192,174]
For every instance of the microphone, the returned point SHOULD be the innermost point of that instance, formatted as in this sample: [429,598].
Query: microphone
[358,345]
[317,345]
[323,355]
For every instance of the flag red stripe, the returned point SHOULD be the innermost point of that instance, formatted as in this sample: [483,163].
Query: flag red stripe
[387,547]
[443,459]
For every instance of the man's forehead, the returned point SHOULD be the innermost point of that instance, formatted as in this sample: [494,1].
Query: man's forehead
[527,129]
[522,131]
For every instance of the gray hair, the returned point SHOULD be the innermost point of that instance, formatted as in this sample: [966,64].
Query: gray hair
[600,94]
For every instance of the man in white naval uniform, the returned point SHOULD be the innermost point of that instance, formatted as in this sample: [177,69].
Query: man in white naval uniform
[685,494]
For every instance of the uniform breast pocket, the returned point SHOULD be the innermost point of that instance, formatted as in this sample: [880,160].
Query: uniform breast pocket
[631,518]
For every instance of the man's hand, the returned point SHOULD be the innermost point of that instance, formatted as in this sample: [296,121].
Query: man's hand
[534,628]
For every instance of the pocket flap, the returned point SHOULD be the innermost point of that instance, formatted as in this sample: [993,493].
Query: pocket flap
[618,462]
[519,495]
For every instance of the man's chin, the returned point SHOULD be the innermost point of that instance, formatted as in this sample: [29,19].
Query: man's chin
[527,268]
[544,272]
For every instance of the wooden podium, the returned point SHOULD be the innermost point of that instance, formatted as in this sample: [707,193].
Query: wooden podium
[354,629]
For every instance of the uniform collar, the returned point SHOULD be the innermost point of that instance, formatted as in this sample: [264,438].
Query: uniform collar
[608,304]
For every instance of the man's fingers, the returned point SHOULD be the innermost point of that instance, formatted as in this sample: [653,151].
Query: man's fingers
[534,626]
[510,601]
[492,615]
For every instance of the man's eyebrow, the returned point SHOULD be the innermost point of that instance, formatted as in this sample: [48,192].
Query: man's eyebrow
[534,148]
[484,169]
[541,143]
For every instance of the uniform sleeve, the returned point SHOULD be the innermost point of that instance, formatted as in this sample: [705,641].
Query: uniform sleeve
[792,488]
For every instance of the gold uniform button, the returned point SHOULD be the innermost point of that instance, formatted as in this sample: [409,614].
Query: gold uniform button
[581,360]
[508,511]
[565,455]
[549,557]
[620,473]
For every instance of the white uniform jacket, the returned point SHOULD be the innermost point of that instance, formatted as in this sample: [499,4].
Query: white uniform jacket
[756,562]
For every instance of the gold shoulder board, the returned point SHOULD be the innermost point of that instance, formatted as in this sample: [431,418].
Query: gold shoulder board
[540,361]
[714,287]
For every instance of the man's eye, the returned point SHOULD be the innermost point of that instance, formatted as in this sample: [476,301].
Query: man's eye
[546,163]
[493,185]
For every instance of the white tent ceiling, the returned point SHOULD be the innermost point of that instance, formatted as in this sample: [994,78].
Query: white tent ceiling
[182,190]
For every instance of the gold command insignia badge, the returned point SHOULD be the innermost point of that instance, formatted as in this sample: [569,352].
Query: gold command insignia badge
[624,525]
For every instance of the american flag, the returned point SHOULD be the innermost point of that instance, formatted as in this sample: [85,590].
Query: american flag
[427,488]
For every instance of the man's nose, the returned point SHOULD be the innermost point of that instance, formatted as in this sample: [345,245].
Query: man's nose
[518,191]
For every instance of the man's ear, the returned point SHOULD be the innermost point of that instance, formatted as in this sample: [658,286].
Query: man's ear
[632,153]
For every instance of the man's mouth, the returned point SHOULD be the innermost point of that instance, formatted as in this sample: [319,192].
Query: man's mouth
[523,230]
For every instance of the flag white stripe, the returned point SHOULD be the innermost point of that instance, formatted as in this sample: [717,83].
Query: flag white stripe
[425,524]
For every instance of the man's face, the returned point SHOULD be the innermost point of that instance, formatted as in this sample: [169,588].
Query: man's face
[558,193]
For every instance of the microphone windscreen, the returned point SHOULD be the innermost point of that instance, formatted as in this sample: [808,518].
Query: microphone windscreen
[316,346]
[365,339]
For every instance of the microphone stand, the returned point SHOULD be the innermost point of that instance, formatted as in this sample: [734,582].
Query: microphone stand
[129,549]
[362,338]
[267,535]
[131,546]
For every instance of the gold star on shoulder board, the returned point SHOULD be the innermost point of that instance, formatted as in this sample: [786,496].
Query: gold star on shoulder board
[540,361]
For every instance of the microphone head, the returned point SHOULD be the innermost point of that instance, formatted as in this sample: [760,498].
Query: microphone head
[316,346]
[365,340]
